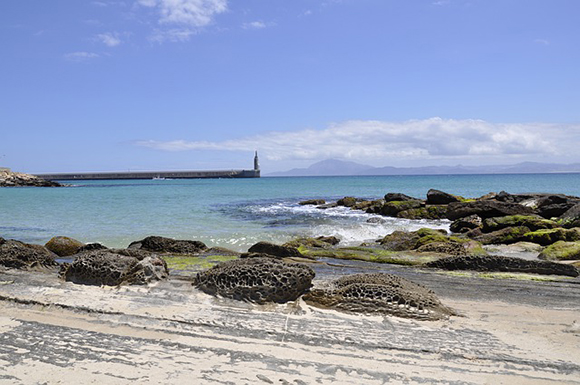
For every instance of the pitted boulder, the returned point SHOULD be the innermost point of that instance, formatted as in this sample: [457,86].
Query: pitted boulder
[258,280]
[497,263]
[101,267]
[167,245]
[63,246]
[275,250]
[380,293]
[20,255]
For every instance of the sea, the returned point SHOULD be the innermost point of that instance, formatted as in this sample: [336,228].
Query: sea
[236,213]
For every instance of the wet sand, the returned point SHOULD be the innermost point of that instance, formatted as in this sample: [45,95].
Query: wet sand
[511,332]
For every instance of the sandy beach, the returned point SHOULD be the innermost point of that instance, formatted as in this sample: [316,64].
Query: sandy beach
[510,332]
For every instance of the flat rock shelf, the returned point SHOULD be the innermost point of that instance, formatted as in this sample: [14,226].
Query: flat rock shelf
[510,331]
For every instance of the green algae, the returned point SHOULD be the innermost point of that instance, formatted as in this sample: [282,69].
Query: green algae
[192,264]
[503,275]
[372,254]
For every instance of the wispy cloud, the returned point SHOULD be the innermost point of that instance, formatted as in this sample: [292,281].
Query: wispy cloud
[433,138]
[180,19]
[80,56]
[257,25]
[542,41]
[441,2]
[173,35]
[110,39]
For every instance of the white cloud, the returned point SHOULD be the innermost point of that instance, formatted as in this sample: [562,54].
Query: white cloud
[110,39]
[80,56]
[427,139]
[194,13]
[180,19]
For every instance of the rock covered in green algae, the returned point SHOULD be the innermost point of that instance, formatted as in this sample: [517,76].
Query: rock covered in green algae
[63,246]
[503,264]
[380,293]
[258,280]
[321,242]
[532,222]
[430,240]
[505,236]
[19,255]
[561,250]
[105,267]
[548,236]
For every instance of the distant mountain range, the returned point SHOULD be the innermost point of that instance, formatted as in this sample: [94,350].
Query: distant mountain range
[334,167]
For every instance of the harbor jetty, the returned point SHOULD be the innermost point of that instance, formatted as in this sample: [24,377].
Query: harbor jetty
[196,174]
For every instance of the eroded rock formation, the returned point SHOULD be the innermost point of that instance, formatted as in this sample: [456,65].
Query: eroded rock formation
[258,280]
[104,267]
[380,293]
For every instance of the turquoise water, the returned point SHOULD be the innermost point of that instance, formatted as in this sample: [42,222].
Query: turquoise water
[234,213]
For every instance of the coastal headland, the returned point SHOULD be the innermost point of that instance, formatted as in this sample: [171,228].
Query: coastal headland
[495,300]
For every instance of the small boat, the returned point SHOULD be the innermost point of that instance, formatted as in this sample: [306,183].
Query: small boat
[158,178]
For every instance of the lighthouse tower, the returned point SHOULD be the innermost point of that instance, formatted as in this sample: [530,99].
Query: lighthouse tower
[256,163]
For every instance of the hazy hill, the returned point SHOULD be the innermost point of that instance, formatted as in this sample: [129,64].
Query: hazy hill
[333,167]
[327,167]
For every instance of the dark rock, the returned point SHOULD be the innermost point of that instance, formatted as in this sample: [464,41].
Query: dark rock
[375,206]
[549,236]
[504,236]
[463,225]
[258,280]
[552,206]
[398,197]
[380,293]
[63,246]
[20,255]
[168,245]
[572,214]
[392,208]
[91,247]
[319,242]
[400,240]
[485,209]
[312,202]
[427,212]
[327,206]
[103,267]
[437,197]
[275,250]
[347,201]
[503,264]
[376,220]
[533,222]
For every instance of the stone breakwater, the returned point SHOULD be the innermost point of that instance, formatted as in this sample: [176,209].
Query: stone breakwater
[18,179]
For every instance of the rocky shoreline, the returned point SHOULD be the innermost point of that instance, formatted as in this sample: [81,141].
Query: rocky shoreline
[411,276]
[17,179]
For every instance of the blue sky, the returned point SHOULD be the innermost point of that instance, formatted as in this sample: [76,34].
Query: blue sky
[200,84]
